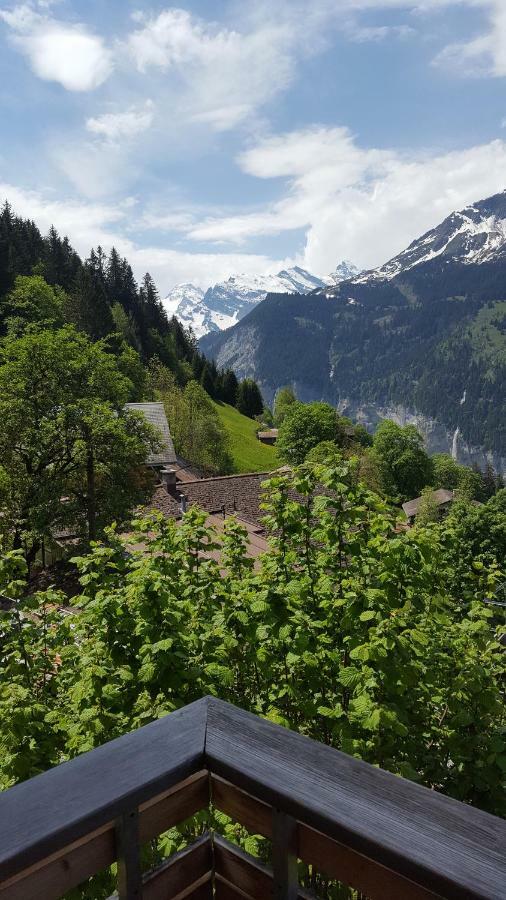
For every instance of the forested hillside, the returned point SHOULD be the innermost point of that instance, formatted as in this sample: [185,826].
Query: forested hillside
[98,295]
[428,340]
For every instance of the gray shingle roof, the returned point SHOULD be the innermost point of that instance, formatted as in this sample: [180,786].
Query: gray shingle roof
[439,497]
[155,415]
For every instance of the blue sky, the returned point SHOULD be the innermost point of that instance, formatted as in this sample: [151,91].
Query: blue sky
[218,137]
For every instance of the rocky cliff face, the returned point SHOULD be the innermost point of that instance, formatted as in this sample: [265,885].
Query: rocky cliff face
[438,438]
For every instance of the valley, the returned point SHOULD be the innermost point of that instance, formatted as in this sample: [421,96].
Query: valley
[406,341]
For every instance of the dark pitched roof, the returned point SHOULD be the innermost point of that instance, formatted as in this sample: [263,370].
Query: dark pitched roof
[439,497]
[233,494]
[155,415]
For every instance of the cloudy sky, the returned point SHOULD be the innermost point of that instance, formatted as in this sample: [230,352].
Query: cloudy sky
[218,137]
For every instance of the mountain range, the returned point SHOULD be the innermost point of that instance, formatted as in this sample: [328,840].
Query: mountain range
[224,304]
[421,339]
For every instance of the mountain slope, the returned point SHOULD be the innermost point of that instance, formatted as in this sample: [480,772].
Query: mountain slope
[407,341]
[248,453]
[224,304]
[476,234]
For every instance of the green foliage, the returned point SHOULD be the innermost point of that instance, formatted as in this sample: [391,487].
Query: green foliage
[196,428]
[247,452]
[306,425]
[283,400]
[448,473]
[31,302]
[249,399]
[428,511]
[64,434]
[474,536]
[229,388]
[347,631]
[407,468]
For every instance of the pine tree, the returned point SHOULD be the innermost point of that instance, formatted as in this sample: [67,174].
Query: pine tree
[230,386]
[87,306]
[249,398]
[206,380]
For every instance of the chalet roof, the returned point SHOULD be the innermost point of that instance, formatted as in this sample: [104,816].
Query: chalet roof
[439,497]
[269,433]
[155,415]
[238,495]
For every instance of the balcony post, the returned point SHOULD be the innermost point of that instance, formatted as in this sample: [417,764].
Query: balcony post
[128,856]
[284,856]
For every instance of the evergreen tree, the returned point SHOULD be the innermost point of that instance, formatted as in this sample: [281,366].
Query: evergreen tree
[229,388]
[206,380]
[87,307]
[249,398]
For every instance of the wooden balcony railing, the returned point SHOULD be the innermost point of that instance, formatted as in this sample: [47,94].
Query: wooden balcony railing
[384,836]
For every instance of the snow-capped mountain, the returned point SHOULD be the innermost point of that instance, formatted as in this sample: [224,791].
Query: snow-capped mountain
[222,305]
[343,272]
[187,303]
[476,234]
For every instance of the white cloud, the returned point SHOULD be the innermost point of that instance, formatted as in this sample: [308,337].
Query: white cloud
[89,224]
[128,123]
[484,54]
[68,54]
[362,204]
[219,76]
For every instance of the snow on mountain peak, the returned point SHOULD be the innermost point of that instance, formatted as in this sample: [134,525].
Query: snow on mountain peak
[343,271]
[475,234]
[223,304]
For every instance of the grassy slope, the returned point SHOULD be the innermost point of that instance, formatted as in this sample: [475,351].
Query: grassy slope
[248,453]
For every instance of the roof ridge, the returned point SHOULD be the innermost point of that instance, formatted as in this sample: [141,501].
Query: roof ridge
[226,477]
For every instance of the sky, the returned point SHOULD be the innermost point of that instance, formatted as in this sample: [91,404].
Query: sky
[212,138]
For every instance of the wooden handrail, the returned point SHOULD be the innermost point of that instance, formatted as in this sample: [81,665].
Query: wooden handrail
[386,836]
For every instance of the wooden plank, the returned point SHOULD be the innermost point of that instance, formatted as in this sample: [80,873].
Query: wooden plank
[438,843]
[128,856]
[245,873]
[241,870]
[328,856]
[181,872]
[173,806]
[67,868]
[241,807]
[60,806]
[200,892]
[284,856]
[223,890]
[351,868]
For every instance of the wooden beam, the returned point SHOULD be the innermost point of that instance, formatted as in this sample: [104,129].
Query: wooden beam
[182,873]
[244,873]
[351,868]
[40,816]
[284,856]
[223,890]
[61,871]
[241,807]
[173,806]
[128,856]
[441,845]
[329,857]
[241,870]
